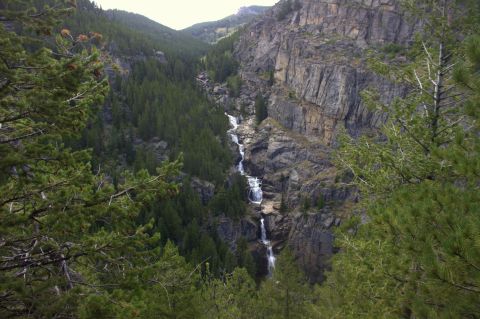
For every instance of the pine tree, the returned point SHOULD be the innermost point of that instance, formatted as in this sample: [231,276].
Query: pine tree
[417,256]
[232,297]
[65,232]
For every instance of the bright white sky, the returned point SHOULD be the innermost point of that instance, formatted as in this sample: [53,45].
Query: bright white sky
[179,14]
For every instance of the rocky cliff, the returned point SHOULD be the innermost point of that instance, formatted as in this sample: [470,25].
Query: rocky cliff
[316,53]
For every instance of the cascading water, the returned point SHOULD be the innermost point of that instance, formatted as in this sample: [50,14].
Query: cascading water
[254,183]
[255,194]
[267,243]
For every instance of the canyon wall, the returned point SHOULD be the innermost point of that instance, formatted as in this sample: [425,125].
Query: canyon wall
[317,58]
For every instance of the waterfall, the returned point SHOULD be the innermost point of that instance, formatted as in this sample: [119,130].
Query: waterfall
[267,243]
[255,194]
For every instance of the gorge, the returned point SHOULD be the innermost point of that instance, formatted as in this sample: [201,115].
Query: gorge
[313,159]
[310,67]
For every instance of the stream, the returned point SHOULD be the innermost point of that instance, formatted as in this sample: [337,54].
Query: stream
[255,194]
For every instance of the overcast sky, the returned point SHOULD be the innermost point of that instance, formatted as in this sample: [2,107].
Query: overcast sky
[179,14]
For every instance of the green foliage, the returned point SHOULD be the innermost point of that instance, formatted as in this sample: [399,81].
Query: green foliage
[320,202]
[393,49]
[268,76]
[129,34]
[286,295]
[306,203]
[234,297]
[261,110]
[417,256]
[154,112]
[159,102]
[271,77]
[231,200]
[244,257]
[67,235]
[220,61]
[182,220]
[234,84]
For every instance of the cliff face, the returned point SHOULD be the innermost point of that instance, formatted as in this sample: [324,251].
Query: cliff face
[317,57]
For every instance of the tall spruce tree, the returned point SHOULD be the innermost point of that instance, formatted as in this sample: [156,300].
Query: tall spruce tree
[418,254]
[68,238]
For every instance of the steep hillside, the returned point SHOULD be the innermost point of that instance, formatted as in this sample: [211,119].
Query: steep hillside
[155,113]
[131,34]
[169,38]
[211,32]
[145,174]
[308,59]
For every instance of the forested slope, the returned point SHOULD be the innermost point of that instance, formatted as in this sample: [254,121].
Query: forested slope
[154,112]
[114,184]
[109,219]
[212,32]
[132,34]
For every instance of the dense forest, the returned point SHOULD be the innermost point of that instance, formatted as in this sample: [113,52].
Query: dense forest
[156,113]
[102,138]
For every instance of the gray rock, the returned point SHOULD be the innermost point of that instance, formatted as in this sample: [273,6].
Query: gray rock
[205,190]
[312,244]
[231,231]
[319,61]
[160,57]
[219,90]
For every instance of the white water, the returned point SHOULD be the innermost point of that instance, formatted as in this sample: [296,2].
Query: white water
[255,184]
[255,194]
[270,256]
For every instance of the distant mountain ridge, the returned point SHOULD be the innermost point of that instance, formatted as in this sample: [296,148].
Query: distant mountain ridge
[131,34]
[211,32]
[167,37]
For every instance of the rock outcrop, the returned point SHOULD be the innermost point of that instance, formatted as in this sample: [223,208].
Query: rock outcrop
[230,231]
[317,55]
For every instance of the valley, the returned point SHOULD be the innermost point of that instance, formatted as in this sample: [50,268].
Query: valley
[312,159]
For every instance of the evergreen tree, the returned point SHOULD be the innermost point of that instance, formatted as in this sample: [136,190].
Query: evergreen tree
[417,256]
[285,9]
[233,297]
[66,234]
[220,61]
[261,111]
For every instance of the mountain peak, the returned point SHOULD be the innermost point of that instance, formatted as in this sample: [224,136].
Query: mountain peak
[212,32]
